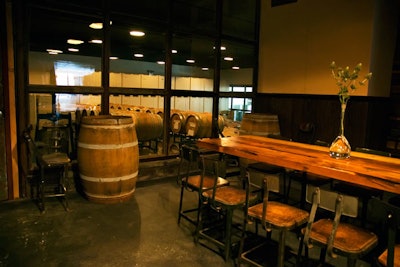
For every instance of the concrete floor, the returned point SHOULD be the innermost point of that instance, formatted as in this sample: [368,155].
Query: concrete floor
[142,231]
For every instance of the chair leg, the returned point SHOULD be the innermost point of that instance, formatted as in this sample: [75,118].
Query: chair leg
[281,249]
[300,251]
[180,204]
[228,232]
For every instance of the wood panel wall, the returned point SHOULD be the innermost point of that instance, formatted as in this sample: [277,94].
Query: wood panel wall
[366,121]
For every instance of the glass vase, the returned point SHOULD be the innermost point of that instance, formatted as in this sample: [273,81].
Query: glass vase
[340,147]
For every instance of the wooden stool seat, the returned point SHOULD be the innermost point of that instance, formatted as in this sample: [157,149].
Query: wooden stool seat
[349,238]
[333,236]
[383,257]
[230,196]
[279,215]
[208,182]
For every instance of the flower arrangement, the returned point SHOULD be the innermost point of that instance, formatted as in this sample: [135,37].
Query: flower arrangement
[347,80]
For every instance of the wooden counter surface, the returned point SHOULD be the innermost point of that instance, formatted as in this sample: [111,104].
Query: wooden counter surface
[373,171]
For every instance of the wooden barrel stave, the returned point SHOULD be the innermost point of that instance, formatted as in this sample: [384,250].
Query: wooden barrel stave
[108,158]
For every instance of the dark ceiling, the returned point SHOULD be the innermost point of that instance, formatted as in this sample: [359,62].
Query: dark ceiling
[194,25]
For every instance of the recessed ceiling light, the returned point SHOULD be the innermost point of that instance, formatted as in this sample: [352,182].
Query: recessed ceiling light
[73,49]
[228,58]
[95,41]
[235,68]
[138,55]
[204,68]
[161,62]
[137,33]
[97,25]
[190,60]
[54,51]
[113,58]
[75,42]
[174,51]
[223,48]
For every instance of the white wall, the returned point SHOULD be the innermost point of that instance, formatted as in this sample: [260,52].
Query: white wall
[298,42]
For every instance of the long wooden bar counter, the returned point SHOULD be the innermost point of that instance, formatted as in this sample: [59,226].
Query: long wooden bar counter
[373,171]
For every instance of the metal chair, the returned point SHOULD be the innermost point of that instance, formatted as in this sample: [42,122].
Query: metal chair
[333,236]
[363,193]
[194,180]
[52,176]
[304,178]
[389,216]
[272,215]
[224,200]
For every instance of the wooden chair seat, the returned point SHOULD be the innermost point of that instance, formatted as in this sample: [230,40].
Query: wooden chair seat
[225,200]
[333,236]
[383,257]
[349,239]
[194,182]
[280,215]
[272,215]
[230,196]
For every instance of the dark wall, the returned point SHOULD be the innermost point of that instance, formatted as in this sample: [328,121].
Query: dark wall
[366,121]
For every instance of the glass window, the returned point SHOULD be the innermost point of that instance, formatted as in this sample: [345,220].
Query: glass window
[63,50]
[137,56]
[193,62]
[237,63]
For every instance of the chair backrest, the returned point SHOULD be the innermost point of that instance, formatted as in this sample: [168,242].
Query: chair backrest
[32,149]
[279,137]
[389,217]
[334,202]
[373,151]
[189,156]
[306,132]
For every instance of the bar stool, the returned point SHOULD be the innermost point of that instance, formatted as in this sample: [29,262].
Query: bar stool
[194,180]
[224,200]
[334,237]
[363,193]
[389,216]
[53,169]
[304,178]
[272,215]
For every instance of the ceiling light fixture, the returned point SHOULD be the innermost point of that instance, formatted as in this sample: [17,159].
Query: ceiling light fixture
[174,51]
[228,58]
[137,33]
[95,41]
[223,48]
[113,58]
[161,62]
[138,55]
[73,49]
[204,68]
[235,68]
[75,42]
[54,51]
[97,25]
[190,61]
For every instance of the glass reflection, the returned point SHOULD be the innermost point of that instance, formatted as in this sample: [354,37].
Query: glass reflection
[62,52]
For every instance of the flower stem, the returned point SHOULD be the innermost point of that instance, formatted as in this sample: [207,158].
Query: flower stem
[343,110]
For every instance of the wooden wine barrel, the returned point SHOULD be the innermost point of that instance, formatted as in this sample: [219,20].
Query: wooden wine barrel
[149,126]
[259,124]
[178,121]
[199,125]
[108,158]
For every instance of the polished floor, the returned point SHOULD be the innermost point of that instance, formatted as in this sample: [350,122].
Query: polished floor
[142,231]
